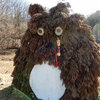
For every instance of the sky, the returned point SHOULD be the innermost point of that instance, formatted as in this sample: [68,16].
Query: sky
[85,7]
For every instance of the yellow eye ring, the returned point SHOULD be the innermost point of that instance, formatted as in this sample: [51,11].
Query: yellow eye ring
[58,31]
[40,31]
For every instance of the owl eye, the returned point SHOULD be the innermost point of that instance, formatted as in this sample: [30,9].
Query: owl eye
[58,31]
[40,31]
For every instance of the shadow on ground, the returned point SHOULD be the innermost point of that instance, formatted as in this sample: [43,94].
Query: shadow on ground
[11,93]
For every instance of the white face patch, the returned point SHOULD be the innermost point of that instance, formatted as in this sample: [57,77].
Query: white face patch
[46,83]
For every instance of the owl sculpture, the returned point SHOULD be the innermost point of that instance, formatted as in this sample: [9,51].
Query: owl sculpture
[59,58]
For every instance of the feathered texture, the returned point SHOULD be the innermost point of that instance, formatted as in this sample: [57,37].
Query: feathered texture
[79,61]
[33,9]
[61,7]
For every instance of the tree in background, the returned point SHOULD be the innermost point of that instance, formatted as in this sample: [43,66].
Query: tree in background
[93,19]
[13,19]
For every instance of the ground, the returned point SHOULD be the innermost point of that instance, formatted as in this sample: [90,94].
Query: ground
[6,68]
[7,92]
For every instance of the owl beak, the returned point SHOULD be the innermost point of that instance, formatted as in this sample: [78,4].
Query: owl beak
[49,45]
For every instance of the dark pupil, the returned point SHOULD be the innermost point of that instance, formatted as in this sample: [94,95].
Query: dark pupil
[40,31]
[58,30]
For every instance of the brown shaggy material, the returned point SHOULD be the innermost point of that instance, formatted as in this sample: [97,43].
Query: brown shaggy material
[80,58]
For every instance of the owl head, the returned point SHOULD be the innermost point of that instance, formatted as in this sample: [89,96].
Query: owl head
[44,28]
[47,24]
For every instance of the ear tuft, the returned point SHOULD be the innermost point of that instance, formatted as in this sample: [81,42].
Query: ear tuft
[61,7]
[36,8]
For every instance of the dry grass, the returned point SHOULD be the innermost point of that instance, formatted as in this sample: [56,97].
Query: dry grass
[6,68]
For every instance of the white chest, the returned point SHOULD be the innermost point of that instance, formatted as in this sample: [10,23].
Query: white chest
[46,83]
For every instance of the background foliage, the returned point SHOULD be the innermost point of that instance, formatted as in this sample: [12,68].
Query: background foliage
[13,22]
[93,19]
